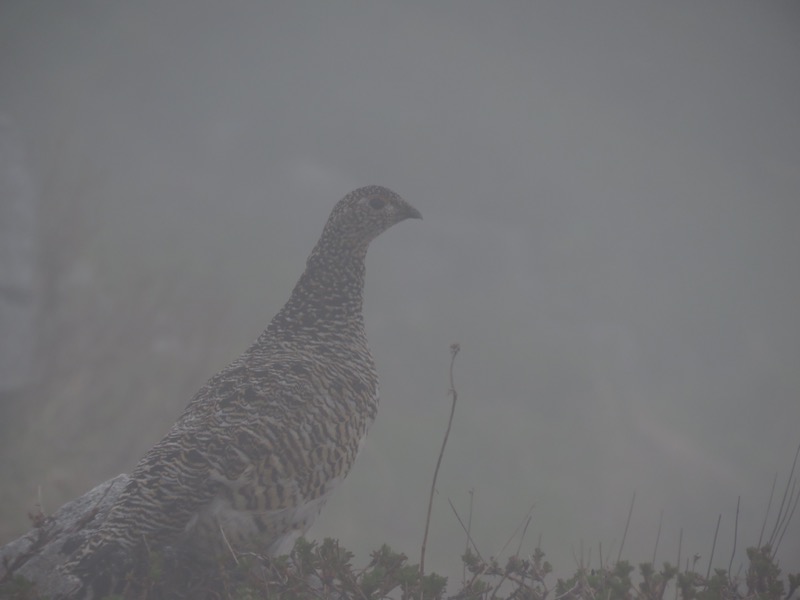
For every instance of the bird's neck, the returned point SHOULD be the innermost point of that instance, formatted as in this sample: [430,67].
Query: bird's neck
[328,296]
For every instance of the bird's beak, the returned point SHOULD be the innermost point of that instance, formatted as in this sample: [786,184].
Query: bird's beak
[411,213]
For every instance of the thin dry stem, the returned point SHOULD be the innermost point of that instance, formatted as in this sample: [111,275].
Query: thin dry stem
[228,545]
[713,546]
[469,536]
[769,505]
[778,518]
[522,537]
[786,525]
[735,535]
[454,349]
[524,523]
[658,535]
[678,563]
[469,530]
[627,523]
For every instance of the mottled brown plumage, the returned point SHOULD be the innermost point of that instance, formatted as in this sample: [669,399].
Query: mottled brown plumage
[260,447]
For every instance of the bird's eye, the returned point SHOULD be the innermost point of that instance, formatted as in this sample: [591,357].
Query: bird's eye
[377,203]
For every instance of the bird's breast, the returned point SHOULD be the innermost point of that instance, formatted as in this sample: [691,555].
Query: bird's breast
[222,528]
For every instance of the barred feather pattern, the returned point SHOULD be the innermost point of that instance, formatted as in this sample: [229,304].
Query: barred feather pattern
[259,448]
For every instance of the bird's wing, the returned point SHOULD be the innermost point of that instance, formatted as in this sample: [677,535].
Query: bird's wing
[246,433]
[171,482]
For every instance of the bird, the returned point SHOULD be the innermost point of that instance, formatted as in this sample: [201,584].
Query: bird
[259,448]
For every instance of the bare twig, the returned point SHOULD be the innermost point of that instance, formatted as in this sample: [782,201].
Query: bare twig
[522,537]
[574,588]
[469,530]
[524,526]
[228,545]
[658,535]
[628,522]
[524,523]
[464,527]
[786,525]
[713,546]
[735,535]
[781,513]
[769,505]
[454,348]
[678,563]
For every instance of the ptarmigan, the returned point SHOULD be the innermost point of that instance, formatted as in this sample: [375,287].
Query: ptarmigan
[258,450]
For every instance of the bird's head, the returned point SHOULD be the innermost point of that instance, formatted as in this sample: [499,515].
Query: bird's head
[361,216]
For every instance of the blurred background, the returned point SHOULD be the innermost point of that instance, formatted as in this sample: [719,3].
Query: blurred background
[611,201]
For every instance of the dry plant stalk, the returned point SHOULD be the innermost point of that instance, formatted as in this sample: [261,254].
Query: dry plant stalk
[454,349]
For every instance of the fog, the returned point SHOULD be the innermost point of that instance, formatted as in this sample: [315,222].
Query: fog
[611,202]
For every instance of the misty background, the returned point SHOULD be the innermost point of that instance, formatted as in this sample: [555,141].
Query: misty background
[611,202]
